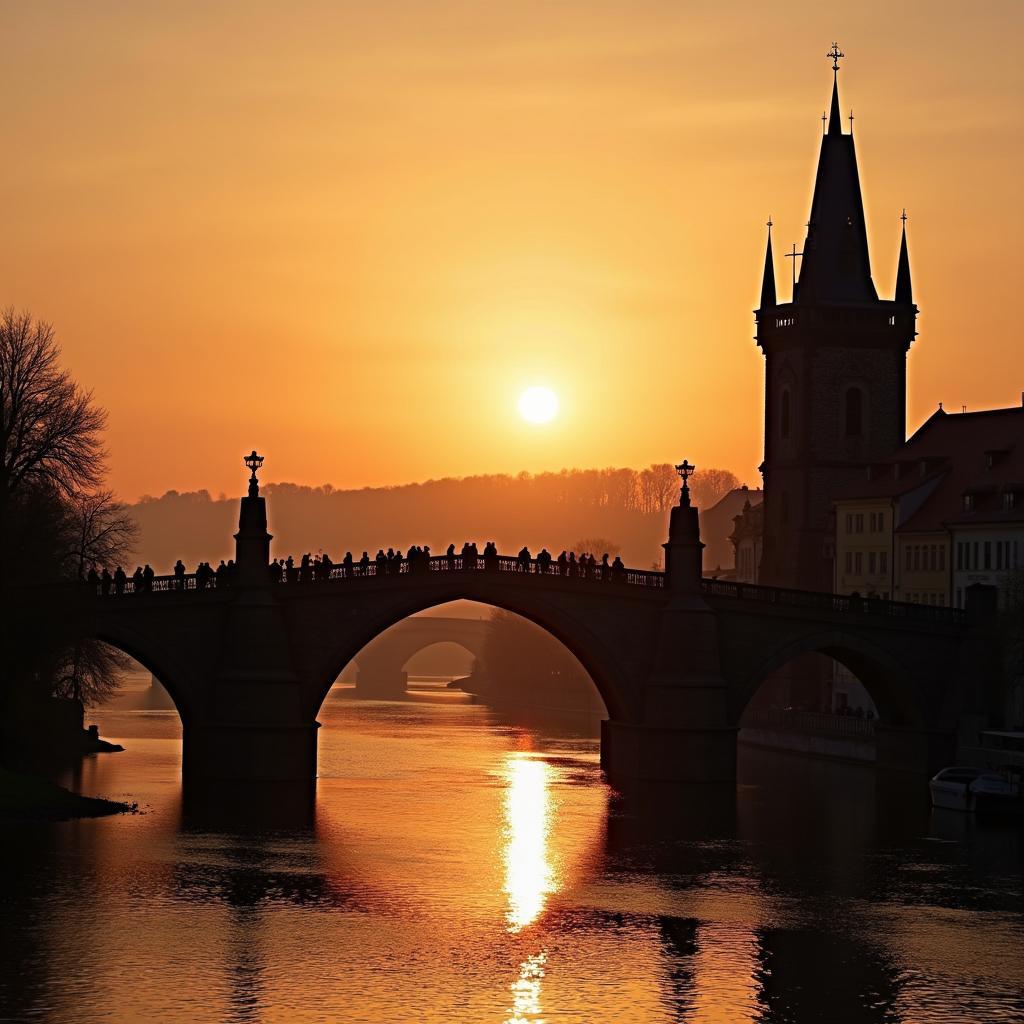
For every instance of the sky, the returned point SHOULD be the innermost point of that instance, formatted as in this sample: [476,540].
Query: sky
[351,234]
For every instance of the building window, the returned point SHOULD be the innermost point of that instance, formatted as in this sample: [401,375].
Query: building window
[907,554]
[968,502]
[859,519]
[858,562]
[784,414]
[975,561]
[1009,499]
[849,522]
[959,597]
[872,566]
[849,562]
[942,558]
[999,555]
[883,561]
[854,412]
[988,554]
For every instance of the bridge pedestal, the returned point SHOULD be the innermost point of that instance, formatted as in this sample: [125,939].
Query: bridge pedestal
[637,755]
[913,750]
[259,752]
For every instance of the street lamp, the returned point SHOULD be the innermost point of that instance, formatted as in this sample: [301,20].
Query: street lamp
[685,470]
[253,462]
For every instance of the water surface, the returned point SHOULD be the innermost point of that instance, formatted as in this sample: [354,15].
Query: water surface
[461,869]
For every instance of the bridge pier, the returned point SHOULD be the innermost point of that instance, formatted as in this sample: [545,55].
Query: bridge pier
[635,756]
[257,752]
[914,750]
[686,685]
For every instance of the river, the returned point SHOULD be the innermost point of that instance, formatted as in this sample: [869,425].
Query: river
[461,869]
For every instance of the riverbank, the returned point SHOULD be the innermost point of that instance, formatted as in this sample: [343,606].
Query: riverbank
[31,797]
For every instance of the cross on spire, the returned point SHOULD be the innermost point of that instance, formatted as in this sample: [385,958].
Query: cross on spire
[770,222]
[903,216]
[851,120]
[792,256]
[835,53]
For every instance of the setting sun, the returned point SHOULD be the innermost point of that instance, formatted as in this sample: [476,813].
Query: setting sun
[538,405]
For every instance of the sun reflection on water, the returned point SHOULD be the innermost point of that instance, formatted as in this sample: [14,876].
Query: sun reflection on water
[529,877]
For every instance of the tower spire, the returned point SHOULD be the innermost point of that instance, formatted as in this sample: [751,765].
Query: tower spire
[904,289]
[768,280]
[835,125]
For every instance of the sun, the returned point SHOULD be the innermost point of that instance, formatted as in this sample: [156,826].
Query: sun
[538,405]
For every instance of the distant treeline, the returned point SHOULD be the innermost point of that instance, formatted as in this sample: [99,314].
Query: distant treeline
[628,507]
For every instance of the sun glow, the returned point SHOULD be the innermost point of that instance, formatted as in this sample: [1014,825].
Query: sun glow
[538,405]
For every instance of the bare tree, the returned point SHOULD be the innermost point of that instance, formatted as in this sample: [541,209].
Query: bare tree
[101,531]
[49,427]
[708,486]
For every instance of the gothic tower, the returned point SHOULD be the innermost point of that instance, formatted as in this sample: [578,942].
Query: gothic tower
[835,369]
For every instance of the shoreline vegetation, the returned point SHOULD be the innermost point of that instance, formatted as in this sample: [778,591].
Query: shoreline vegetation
[28,797]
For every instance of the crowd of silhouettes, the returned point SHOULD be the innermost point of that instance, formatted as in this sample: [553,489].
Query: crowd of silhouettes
[206,577]
[319,568]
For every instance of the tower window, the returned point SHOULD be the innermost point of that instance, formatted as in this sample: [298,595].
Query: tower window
[785,414]
[854,412]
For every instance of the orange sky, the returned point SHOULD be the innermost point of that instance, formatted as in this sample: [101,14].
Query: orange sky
[350,234]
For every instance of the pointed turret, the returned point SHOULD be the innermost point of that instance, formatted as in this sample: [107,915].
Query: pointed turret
[904,289]
[836,265]
[768,281]
[835,126]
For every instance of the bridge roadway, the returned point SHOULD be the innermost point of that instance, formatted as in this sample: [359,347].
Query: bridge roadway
[675,657]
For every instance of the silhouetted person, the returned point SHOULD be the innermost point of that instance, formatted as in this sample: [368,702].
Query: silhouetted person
[346,565]
[491,556]
[276,570]
[137,580]
[305,569]
[563,564]
[221,574]
[92,577]
[106,581]
[618,570]
[120,580]
[364,565]
[544,560]
[523,559]
[570,567]
[391,567]
[606,569]
[179,575]
[425,558]
[291,570]
[381,562]
[147,578]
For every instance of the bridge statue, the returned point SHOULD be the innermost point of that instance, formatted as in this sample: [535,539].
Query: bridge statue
[675,657]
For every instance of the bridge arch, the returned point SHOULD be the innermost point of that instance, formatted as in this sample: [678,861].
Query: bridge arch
[169,671]
[887,680]
[610,673]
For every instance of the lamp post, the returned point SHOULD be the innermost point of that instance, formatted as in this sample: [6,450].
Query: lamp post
[253,462]
[685,470]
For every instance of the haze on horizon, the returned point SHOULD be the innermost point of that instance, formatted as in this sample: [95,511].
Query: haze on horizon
[352,235]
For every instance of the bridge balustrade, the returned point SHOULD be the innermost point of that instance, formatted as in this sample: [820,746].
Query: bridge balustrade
[436,564]
[843,603]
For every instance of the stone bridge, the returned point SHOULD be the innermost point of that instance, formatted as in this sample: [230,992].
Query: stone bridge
[380,665]
[675,657]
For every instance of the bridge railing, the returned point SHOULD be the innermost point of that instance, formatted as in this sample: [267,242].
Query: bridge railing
[844,603]
[157,585]
[478,563]
[817,722]
[437,564]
